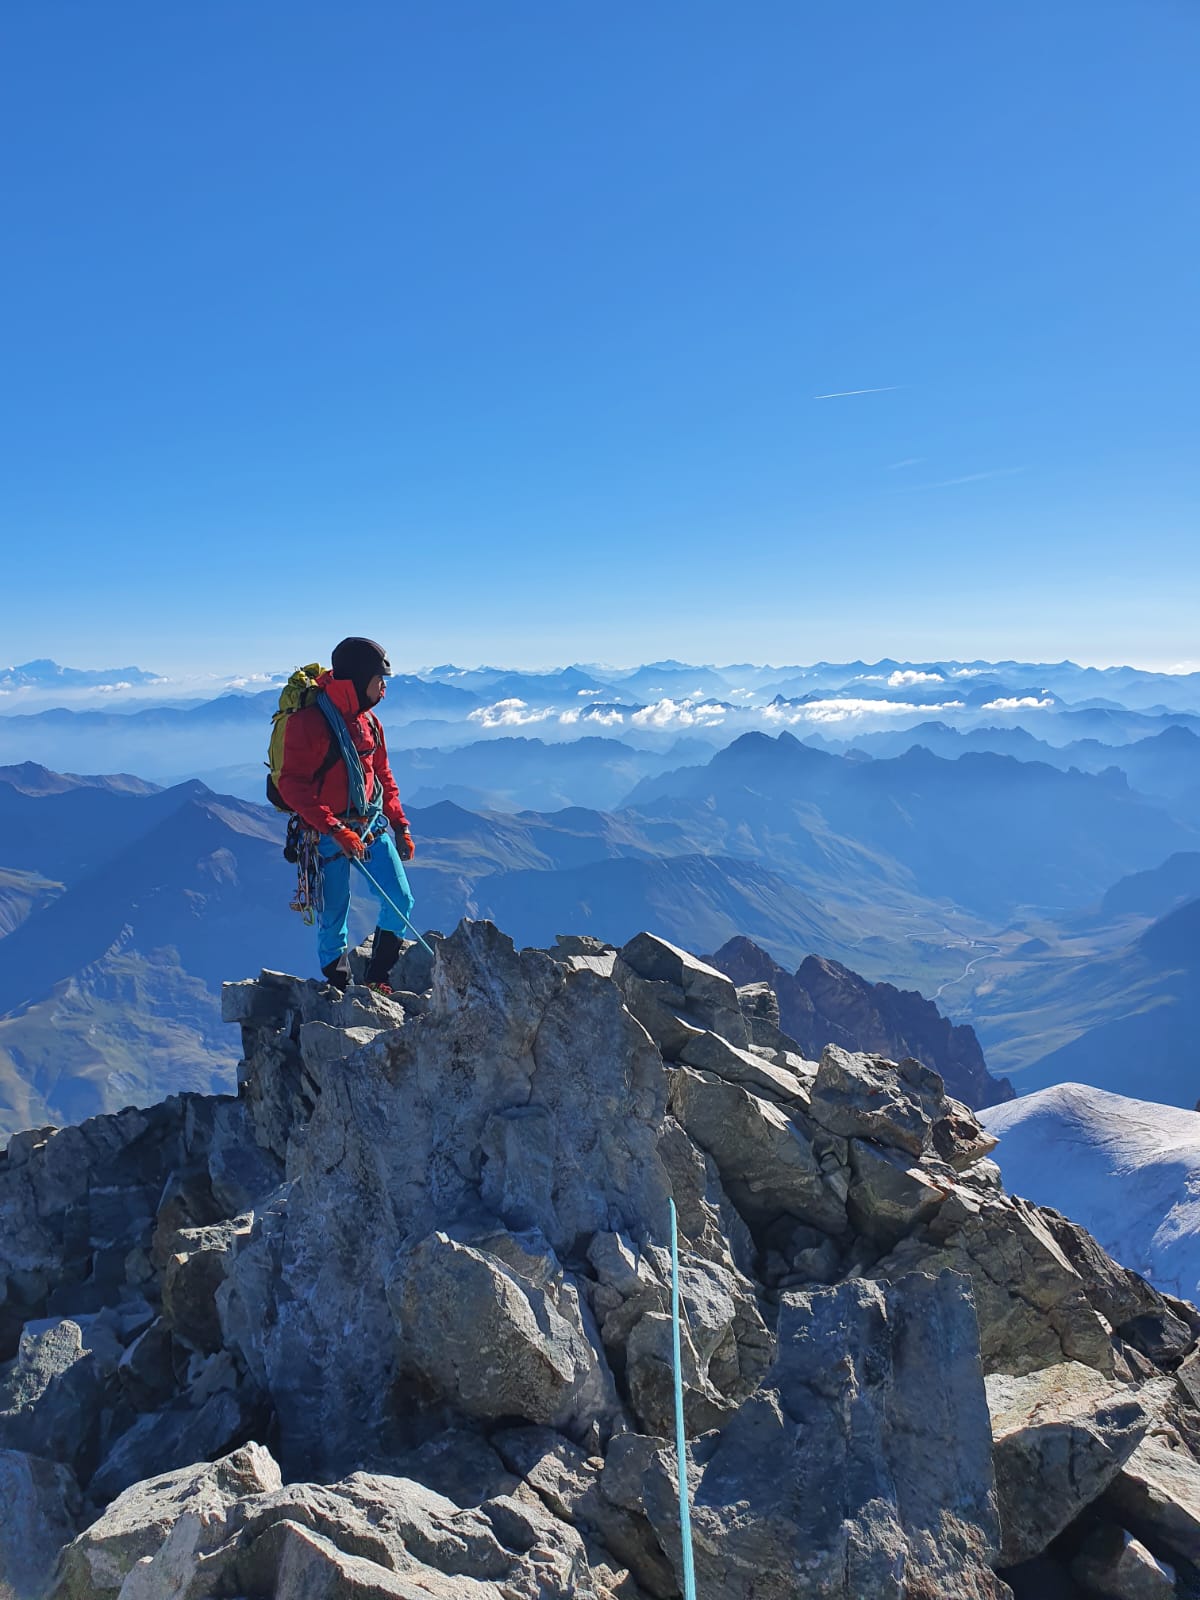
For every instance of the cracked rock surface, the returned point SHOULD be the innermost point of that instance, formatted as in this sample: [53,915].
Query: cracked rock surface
[395,1320]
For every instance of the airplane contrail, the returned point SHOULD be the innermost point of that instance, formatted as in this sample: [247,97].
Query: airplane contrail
[844,394]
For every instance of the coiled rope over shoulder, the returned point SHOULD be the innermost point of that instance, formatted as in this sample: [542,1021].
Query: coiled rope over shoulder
[345,744]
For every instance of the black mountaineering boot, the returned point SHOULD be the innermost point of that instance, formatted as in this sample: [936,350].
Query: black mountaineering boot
[338,972]
[385,947]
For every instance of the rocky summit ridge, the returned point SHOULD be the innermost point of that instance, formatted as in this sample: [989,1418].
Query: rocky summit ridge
[394,1319]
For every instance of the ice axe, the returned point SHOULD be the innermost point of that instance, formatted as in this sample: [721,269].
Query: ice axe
[383,895]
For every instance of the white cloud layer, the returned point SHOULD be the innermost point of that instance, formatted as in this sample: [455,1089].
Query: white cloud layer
[678,714]
[842,710]
[905,680]
[509,714]
[1027,702]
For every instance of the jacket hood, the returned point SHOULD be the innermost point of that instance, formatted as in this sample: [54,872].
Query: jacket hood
[342,692]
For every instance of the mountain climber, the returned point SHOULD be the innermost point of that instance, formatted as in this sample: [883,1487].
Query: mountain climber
[350,802]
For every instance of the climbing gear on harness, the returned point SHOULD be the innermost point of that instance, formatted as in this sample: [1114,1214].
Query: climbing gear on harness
[685,1512]
[384,896]
[299,691]
[301,848]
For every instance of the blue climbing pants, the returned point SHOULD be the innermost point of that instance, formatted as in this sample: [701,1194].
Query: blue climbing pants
[385,867]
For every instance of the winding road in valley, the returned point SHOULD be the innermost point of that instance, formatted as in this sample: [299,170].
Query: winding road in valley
[985,955]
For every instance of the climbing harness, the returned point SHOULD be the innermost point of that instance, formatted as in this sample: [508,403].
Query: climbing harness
[685,1513]
[383,895]
[301,848]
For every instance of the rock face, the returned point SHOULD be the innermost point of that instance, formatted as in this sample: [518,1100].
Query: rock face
[424,1257]
[825,1003]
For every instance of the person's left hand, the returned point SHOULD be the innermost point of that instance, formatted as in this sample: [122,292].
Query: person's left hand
[405,848]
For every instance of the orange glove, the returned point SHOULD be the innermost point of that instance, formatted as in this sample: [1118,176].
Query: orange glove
[350,842]
[405,848]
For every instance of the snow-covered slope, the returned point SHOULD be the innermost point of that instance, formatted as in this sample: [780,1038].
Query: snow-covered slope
[1128,1170]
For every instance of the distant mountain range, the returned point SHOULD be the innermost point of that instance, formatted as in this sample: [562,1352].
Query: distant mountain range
[988,833]
[49,675]
[825,1003]
[1164,765]
[1019,896]
[97,723]
[124,889]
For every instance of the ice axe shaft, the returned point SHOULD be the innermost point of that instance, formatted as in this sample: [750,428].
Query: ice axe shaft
[384,895]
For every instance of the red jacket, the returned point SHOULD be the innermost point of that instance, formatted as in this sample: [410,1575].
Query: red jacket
[323,801]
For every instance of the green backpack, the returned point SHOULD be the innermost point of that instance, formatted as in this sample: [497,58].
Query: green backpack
[299,691]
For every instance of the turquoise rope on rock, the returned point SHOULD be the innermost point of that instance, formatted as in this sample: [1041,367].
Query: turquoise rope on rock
[685,1511]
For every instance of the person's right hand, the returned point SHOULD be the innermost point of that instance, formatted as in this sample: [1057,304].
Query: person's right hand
[350,842]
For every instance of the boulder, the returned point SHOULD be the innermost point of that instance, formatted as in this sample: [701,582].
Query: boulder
[1156,1495]
[1061,1436]
[1161,1329]
[1032,1304]
[40,1505]
[760,1007]
[496,1338]
[138,1521]
[862,1464]
[193,1272]
[709,998]
[658,1007]
[870,1098]
[708,1052]
[1113,1566]
[890,1193]
[56,1389]
[568,1483]
[764,1155]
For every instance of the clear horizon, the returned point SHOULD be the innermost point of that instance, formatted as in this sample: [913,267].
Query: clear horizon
[225,674]
[795,334]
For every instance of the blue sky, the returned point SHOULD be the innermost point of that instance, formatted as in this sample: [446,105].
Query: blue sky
[494,328]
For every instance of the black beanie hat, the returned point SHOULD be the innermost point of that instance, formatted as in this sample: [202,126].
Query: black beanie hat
[359,660]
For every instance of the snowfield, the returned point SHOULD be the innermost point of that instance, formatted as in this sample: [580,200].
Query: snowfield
[1128,1170]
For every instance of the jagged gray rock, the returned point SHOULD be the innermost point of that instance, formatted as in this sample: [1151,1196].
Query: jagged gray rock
[425,1252]
[1060,1437]
[40,1506]
[502,1330]
[868,1097]
[1156,1495]
[569,1483]
[1113,1566]
[138,1521]
[369,1535]
[767,1159]
[862,1464]
[1032,1304]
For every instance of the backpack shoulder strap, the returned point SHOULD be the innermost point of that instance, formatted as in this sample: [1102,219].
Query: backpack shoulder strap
[332,756]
